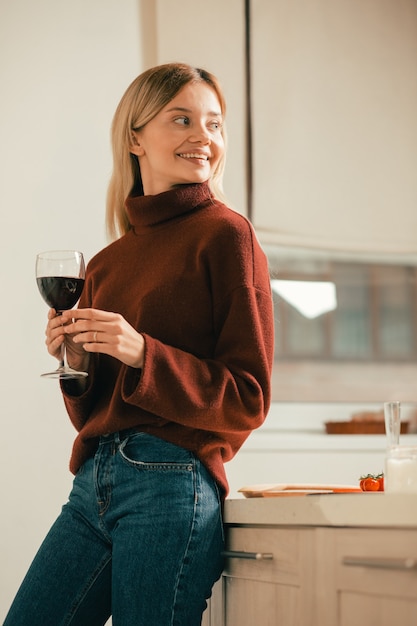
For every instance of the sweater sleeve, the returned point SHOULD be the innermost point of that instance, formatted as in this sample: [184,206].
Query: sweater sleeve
[79,404]
[228,393]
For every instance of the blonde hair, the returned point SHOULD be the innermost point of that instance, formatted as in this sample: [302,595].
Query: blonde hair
[145,97]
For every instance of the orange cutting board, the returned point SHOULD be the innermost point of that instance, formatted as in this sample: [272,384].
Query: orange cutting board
[295,489]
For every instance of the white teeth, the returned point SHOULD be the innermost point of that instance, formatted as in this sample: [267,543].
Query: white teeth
[193,155]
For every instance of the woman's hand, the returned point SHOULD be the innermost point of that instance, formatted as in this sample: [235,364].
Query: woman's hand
[56,336]
[92,330]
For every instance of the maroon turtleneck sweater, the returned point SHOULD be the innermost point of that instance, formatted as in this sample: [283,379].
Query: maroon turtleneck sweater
[192,278]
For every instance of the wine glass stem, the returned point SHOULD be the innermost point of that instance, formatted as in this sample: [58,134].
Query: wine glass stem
[62,360]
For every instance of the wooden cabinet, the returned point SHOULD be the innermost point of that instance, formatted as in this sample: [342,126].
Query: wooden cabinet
[317,574]
[276,585]
[368,577]
[266,580]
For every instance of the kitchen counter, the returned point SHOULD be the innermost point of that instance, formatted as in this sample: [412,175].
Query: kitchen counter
[362,510]
[346,559]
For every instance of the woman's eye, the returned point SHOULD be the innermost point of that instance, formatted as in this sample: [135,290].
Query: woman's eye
[216,125]
[185,121]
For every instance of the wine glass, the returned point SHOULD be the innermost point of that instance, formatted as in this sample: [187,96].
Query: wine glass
[60,276]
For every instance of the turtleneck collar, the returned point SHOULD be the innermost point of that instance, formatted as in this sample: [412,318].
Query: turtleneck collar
[146,211]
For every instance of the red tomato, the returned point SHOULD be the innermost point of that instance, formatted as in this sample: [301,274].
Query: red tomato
[370,484]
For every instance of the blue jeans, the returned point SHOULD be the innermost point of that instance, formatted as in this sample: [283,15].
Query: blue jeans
[139,539]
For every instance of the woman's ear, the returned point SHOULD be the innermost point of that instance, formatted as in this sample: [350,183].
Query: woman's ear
[135,147]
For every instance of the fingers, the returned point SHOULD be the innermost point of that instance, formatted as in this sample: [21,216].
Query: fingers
[88,314]
[127,346]
[55,335]
[54,345]
[85,324]
[89,321]
[106,333]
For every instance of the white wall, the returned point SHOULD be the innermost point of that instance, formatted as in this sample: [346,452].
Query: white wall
[212,35]
[335,130]
[63,68]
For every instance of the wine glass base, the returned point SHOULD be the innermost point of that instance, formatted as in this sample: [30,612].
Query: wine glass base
[65,373]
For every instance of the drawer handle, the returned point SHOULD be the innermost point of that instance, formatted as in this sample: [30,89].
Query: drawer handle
[257,556]
[381,563]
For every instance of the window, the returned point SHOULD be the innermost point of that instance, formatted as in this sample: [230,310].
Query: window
[343,323]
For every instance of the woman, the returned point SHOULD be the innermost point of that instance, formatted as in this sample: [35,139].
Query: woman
[175,329]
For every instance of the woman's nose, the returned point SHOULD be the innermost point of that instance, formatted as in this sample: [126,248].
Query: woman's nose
[200,134]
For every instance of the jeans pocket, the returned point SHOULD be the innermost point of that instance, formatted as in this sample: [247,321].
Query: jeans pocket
[146,452]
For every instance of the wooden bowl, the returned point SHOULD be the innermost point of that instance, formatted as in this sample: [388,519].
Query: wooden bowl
[363,427]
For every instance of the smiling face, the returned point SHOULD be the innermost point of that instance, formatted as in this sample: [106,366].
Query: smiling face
[183,143]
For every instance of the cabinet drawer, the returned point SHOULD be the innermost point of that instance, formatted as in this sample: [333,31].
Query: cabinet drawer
[288,553]
[376,560]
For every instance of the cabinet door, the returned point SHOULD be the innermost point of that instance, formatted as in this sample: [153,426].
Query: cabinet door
[260,603]
[369,577]
[269,591]
[358,609]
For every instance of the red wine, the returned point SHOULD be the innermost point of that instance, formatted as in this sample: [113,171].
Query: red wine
[60,292]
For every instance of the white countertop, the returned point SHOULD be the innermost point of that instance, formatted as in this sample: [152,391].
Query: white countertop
[354,510]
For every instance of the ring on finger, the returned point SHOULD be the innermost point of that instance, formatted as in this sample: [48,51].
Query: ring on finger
[95,336]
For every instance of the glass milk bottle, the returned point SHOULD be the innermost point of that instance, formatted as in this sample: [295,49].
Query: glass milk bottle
[401,469]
